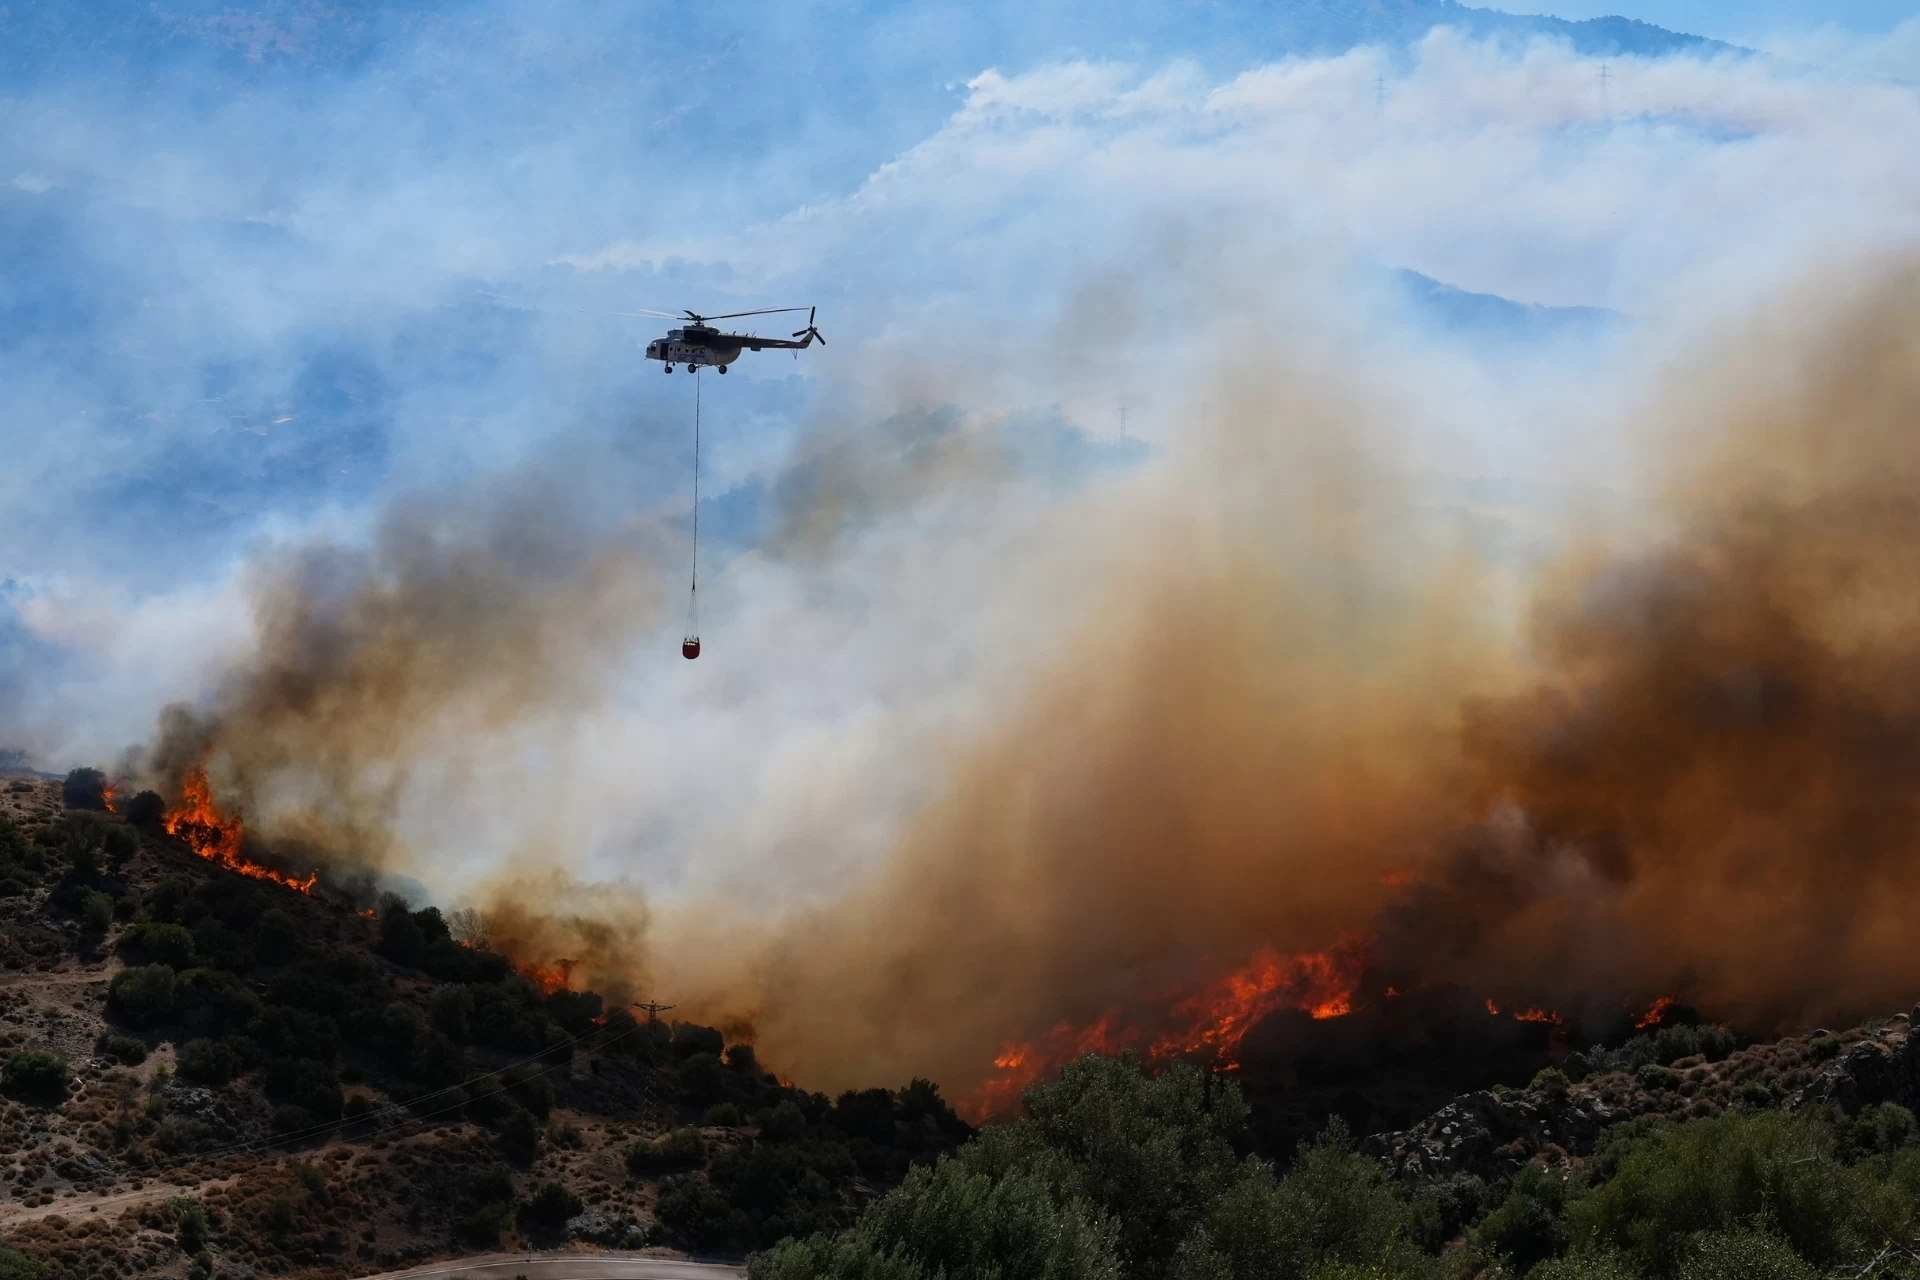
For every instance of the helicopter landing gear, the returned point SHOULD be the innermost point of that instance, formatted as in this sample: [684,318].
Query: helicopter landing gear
[723,368]
[666,368]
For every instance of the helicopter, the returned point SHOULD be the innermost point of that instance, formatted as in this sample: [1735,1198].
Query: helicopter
[699,343]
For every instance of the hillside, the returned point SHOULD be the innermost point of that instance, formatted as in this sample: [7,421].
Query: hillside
[208,1073]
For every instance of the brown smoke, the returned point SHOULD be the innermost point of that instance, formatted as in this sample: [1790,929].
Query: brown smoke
[1288,713]
[1695,779]
[458,621]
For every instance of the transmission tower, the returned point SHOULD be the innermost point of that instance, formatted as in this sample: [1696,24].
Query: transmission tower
[1606,109]
[654,1010]
[1379,93]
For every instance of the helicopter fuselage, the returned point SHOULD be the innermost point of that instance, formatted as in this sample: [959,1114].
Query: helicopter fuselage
[698,345]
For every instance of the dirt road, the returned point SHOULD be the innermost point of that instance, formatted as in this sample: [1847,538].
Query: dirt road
[569,1266]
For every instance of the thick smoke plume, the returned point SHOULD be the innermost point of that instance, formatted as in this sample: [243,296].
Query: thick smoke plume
[1289,721]
[1289,712]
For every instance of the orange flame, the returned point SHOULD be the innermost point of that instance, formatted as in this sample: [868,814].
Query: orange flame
[218,838]
[549,980]
[1493,1010]
[107,792]
[1317,983]
[1538,1015]
[1655,1012]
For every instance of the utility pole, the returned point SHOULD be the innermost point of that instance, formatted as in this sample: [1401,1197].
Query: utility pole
[1606,110]
[654,1010]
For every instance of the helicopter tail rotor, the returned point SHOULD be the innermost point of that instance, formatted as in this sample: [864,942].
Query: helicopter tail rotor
[810,333]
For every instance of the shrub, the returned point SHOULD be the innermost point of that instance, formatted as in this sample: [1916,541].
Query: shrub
[359,1107]
[1742,1255]
[35,1074]
[532,1090]
[275,940]
[680,1149]
[484,1225]
[168,944]
[209,1061]
[1722,1175]
[305,1083]
[689,1039]
[124,1049]
[85,789]
[1551,1081]
[1593,1265]
[785,1123]
[144,996]
[96,912]
[451,1012]
[519,1137]
[146,810]
[1527,1228]
[492,1186]
[190,1220]
[723,1114]
[15,1265]
[1881,1129]
[550,1207]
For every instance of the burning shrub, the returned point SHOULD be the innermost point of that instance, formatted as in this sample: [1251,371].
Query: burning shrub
[144,996]
[85,789]
[36,1075]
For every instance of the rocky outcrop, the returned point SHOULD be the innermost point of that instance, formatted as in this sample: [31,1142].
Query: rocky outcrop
[1883,1068]
[1492,1134]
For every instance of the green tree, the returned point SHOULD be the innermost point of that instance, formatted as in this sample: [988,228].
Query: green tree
[144,995]
[1724,1175]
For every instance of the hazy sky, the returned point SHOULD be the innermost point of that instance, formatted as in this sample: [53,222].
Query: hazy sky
[275,277]
[1741,20]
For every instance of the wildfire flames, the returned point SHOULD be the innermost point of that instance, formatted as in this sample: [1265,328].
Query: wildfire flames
[549,980]
[219,838]
[1318,983]
[1655,1012]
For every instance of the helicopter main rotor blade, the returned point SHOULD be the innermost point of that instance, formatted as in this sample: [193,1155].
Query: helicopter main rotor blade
[767,311]
[637,315]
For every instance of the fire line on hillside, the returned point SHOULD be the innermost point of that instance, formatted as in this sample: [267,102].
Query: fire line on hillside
[219,838]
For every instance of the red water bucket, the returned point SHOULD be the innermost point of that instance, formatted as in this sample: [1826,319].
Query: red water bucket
[690,647]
